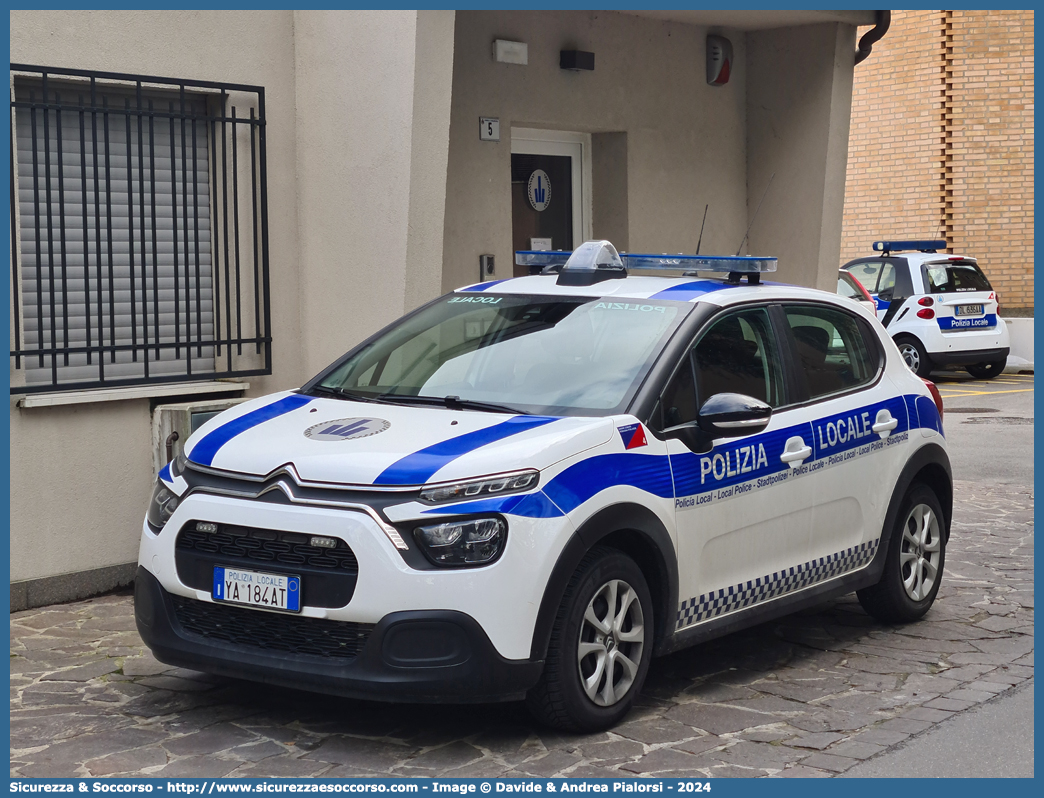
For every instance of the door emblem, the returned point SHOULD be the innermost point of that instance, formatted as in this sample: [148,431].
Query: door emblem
[346,429]
[539,190]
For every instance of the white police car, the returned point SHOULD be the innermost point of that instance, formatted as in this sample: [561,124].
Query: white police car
[939,309]
[530,487]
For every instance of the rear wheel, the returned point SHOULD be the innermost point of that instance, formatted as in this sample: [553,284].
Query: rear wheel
[914,563]
[600,646]
[914,356]
[986,371]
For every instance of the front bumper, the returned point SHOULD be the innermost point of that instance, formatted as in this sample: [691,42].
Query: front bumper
[421,656]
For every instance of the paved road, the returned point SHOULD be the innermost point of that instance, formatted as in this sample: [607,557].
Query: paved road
[813,694]
[991,741]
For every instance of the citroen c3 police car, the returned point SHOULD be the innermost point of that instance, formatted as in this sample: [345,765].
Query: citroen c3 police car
[530,487]
[939,309]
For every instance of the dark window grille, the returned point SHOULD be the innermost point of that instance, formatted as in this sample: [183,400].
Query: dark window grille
[139,230]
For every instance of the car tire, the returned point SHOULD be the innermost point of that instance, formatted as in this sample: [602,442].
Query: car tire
[910,581]
[914,356]
[598,654]
[986,371]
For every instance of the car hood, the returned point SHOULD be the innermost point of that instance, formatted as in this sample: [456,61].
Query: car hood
[353,443]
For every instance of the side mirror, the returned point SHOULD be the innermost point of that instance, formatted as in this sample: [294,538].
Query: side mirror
[885,294]
[724,415]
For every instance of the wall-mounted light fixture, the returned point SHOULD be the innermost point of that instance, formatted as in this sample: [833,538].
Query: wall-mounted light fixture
[719,60]
[511,52]
[576,60]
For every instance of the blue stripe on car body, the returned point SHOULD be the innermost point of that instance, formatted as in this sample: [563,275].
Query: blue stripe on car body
[418,468]
[484,286]
[528,505]
[987,322]
[204,452]
[685,292]
[685,473]
[164,474]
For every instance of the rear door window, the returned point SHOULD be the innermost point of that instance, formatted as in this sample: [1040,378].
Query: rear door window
[947,278]
[833,352]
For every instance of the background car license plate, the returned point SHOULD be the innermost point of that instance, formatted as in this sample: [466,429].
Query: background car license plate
[968,310]
[271,591]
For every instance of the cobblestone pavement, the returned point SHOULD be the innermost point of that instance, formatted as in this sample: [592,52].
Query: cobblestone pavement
[809,695]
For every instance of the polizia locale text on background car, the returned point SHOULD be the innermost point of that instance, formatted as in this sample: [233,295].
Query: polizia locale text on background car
[530,487]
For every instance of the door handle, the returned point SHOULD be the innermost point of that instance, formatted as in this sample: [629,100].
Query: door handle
[884,423]
[795,451]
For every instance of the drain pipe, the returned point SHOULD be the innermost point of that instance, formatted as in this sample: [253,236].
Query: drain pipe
[882,19]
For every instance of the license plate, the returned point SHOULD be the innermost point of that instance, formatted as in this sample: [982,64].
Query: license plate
[254,589]
[968,310]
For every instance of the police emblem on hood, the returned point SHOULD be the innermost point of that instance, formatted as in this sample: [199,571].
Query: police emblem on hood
[346,429]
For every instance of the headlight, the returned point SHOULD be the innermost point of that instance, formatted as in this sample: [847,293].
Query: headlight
[162,506]
[475,541]
[477,488]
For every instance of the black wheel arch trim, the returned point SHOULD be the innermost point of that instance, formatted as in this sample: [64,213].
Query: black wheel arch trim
[933,457]
[655,551]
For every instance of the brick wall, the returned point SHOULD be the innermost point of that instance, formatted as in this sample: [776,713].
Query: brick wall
[942,142]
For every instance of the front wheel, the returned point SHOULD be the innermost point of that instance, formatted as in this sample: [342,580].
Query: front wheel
[914,563]
[915,357]
[986,371]
[600,646]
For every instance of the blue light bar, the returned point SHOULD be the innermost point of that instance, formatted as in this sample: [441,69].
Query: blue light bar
[703,263]
[899,246]
[532,257]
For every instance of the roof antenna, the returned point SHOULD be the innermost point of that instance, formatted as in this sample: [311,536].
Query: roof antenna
[755,216]
[701,228]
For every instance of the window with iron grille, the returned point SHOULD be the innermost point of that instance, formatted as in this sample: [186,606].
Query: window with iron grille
[139,235]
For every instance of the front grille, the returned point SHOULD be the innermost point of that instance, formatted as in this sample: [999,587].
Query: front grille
[270,631]
[328,576]
[267,546]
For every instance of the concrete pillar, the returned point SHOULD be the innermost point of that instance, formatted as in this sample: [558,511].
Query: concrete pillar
[373,103]
[799,100]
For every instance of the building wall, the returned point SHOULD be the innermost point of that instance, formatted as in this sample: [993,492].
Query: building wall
[678,143]
[81,475]
[942,142]
[347,206]
[799,100]
[684,144]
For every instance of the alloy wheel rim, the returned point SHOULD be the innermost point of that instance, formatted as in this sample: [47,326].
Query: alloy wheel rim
[921,552]
[910,356]
[612,639]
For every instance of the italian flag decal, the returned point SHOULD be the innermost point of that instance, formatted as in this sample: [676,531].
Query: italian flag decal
[633,436]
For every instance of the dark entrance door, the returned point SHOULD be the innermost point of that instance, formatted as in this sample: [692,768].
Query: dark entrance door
[543,182]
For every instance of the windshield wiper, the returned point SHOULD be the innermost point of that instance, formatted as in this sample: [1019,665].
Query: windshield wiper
[451,402]
[341,393]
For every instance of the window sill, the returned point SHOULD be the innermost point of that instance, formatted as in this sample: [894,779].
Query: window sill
[132,392]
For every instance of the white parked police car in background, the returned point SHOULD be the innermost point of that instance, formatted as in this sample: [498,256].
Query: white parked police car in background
[939,309]
[531,487]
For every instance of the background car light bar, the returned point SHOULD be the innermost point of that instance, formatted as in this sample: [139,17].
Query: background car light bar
[703,263]
[898,246]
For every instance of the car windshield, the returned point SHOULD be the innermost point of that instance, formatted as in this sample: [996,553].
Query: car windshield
[945,278]
[531,354]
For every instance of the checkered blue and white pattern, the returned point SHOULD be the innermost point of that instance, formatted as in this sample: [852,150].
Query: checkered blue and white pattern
[735,597]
